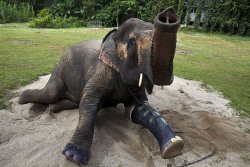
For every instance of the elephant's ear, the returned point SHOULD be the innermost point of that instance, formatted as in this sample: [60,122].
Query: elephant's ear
[108,54]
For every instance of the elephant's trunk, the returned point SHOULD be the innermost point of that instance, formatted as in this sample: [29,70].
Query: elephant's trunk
[166,25]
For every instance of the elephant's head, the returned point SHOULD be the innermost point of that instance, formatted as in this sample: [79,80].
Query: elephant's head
[143,52]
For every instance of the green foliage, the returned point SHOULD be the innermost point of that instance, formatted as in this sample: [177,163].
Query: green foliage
[181,9]
[88,9]
[45,19]
[107,15]
[227,16]
[200,7]
[126,7]
[125,10]
[230,16]
[117,11]
[149,8]
[10,13]
[62,9]
[189,10]
[110,12]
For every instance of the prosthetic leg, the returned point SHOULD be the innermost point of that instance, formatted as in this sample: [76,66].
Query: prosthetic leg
[170,144]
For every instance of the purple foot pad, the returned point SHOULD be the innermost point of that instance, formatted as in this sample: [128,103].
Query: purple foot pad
[77,154]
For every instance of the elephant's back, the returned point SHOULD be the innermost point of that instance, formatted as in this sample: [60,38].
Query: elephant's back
[90,48]
[81,51]
[84,54]
[78,64]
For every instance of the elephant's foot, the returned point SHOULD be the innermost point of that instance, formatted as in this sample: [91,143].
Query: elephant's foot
[172,148]
[24,97]
[76,154]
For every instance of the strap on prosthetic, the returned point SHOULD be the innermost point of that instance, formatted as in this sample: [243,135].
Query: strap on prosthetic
[154,122]
[149,113]
[143,101]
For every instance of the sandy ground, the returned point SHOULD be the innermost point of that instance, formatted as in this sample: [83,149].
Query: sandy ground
[31,136]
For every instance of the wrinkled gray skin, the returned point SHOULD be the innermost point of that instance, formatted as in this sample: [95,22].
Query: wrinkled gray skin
[82,79]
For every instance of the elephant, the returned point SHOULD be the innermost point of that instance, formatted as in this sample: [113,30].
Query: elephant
[122,68]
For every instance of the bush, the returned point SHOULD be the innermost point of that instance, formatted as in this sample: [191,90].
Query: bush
[45,19]
[198,11]
[228,16]
[188,12]
[10,13]
[107,15]
[62,9]
[181,9]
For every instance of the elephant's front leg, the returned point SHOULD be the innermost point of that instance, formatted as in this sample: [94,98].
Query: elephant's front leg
[78,149]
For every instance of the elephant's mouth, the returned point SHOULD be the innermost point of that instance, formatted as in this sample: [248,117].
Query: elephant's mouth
[143,82]
[138,82]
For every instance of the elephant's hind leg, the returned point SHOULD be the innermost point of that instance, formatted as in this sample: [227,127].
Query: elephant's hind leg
[51,93]
[63,104]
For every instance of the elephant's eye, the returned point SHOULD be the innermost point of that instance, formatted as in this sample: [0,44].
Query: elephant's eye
[132,50]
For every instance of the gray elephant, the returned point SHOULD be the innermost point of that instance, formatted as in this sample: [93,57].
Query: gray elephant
[120,69]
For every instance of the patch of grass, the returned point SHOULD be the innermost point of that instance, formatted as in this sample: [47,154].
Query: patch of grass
[26,53]
[7,95]
[221,61]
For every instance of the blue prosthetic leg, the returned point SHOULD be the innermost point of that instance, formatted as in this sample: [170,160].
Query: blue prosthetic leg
[170,144]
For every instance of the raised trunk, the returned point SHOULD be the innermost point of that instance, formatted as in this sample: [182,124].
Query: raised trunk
[166,25]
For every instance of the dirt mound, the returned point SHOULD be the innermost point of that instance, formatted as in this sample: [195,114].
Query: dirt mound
[214,136]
